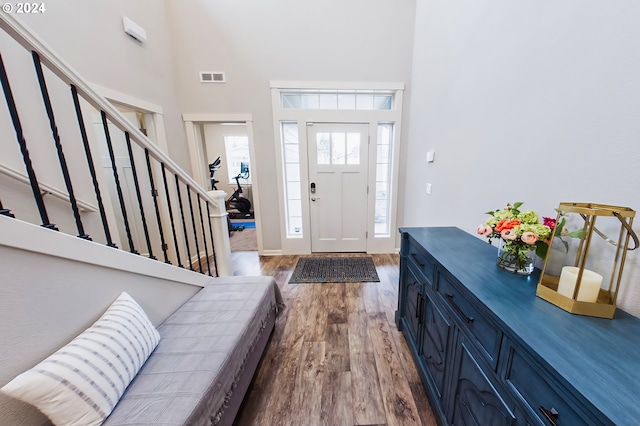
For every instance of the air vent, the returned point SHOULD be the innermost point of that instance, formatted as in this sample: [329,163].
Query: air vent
[212,77]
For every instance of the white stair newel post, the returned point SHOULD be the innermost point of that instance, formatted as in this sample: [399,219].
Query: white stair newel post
[218,214]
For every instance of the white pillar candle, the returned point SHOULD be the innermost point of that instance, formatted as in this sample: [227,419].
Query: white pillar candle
[589,285]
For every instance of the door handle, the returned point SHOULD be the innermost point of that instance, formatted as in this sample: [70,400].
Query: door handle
[315,198]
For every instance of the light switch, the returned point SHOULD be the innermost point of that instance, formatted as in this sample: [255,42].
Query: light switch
[430,156]
[429,188]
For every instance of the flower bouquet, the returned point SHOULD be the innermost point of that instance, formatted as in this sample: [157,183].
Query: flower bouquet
[521,236]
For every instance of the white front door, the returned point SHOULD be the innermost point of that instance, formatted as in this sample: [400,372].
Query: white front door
[338,161]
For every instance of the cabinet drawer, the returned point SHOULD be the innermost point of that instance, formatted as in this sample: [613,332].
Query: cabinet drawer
[422,262]
[471,320]
[532,384]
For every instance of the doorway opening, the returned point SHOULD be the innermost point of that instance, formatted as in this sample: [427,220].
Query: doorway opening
[229,138]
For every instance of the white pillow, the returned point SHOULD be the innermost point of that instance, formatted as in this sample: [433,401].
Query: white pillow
[82,382]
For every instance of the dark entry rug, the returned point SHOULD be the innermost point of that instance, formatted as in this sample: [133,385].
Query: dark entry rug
[334,270]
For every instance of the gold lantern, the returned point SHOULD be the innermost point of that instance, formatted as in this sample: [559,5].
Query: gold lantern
[583,267]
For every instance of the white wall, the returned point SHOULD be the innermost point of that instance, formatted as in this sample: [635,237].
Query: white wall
[524,101]
[88,35]
[52,291]
[255,42]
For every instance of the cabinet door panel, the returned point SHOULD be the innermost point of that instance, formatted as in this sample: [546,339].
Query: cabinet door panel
[413,301]
[476,402]
[435,341]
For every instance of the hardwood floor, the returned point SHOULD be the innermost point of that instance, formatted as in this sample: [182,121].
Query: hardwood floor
[336,356]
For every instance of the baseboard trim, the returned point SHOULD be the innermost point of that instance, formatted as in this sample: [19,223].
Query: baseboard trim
[271,253]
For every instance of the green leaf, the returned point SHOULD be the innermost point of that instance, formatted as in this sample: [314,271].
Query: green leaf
[566,245]
[518,204]
[491,213]
[575,234]
[542,249]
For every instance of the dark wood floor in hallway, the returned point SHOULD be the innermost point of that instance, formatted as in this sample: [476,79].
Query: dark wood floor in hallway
[336,356]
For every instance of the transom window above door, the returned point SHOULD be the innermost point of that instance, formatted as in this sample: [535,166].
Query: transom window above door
[337,100]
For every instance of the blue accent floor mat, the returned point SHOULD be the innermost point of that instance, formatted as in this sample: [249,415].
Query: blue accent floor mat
[247,225]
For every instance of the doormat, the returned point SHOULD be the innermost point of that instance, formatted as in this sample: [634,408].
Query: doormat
[334,270]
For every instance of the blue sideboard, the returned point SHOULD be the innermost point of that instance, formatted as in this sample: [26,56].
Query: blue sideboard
[490,352]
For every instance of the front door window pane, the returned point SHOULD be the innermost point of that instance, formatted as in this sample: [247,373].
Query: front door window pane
[338,149]
[353,148]
[324,148]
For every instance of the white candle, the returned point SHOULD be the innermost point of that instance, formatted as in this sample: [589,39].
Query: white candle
[589,285]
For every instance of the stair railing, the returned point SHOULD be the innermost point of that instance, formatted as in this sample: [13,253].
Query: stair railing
[196,218]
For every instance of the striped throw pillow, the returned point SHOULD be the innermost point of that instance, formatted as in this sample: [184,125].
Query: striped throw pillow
[82,382]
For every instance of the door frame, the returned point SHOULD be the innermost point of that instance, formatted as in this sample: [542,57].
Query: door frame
[302,244]
[154,119]
[195,141]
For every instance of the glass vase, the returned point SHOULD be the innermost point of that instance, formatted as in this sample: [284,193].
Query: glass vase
[516,257]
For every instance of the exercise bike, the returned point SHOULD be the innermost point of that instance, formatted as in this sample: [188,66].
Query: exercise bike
[213,167]
[236,200]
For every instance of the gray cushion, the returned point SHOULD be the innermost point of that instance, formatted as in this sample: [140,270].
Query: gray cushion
[202,351]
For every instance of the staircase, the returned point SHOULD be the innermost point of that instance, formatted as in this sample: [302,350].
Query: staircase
[89,207]
[114,185]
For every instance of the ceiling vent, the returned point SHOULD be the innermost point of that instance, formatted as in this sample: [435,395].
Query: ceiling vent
[212,77]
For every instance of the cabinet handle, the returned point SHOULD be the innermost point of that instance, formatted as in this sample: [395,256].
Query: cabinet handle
[422,300]
[418,306]
[466,319]
[550,415]
[415,257]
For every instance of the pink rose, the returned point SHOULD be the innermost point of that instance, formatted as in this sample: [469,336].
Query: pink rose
[508,234]
[529,237]
[484,230]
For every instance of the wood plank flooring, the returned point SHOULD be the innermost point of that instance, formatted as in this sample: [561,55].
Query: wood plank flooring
[336,356]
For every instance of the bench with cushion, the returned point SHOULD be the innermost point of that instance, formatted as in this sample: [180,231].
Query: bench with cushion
[198,374]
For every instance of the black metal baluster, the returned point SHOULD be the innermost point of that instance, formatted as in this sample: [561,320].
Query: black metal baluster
[138,195]
[92,169]
[173,226]
[195,232]
[213,246]
[56,138]
[5,212]
[204,237]
[112,157]
[154,194]
[13,112]
[184,224]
